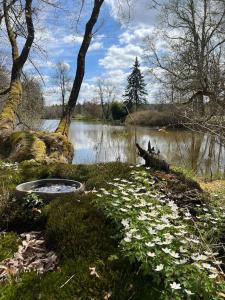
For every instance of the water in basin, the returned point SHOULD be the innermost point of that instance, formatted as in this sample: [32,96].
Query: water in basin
[56,188]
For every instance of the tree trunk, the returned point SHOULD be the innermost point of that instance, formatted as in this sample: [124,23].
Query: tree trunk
[65,121]
[40,146]
[8,115]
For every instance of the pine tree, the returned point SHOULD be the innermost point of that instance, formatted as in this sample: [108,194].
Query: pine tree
[135,92]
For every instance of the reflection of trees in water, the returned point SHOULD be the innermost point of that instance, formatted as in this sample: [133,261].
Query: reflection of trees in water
[202,153]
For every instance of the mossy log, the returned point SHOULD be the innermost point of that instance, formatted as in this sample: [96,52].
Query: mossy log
[152,159]
[39,146]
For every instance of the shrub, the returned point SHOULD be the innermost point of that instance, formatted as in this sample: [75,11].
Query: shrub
[118,110]
[153,118]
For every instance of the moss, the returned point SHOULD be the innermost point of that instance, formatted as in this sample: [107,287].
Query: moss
[8,245]
[75,227]
[120,280]
[63,127]
[22,143]
[8,116]
[38,149]
[82,237]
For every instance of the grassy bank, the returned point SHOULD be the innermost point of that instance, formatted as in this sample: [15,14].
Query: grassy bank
[153,118]
[104,238]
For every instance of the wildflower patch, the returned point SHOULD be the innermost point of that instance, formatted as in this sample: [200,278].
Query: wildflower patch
[179,246]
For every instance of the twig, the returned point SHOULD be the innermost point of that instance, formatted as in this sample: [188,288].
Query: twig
[67,281]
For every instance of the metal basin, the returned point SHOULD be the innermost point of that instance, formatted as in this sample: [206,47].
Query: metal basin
[49,189]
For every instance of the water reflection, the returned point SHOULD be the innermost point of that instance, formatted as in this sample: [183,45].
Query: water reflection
[101,143]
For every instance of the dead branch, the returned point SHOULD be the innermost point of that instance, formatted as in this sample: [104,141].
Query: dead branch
[152,159]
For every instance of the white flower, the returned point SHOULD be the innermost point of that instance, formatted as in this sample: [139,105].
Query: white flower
[183,242]
[138,237]
[128,206]
[164,219]
[183,261]
[153,214]
[124,180]
[159,268]
[174,254]
[218,262]
[167,242]
[182,249]
[151,254]
[106,192]
[175,286]
[151,231]
[206,266]
[156,240]
[149,244]
[99,195]
[123,209]
[187,214]
[189,292]
[199,257]
[127,239]
[213,276]
[142,217]
[125,223]
[168,236]
[93,272]
[166,250]
[160,227]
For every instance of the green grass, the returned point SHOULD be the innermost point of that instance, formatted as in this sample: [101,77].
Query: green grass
[8,244]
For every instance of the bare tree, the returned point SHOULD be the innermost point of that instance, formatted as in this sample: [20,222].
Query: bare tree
[63,81]
[106,94]
[195,41]
[30,111]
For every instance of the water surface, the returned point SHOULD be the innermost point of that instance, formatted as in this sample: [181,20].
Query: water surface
[95,143]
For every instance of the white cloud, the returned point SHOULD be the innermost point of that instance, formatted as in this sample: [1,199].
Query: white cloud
[136,34]
[133,12]
[96,46]
[72,39]
[121,57]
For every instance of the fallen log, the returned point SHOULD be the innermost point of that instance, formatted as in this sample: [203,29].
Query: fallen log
[152,159]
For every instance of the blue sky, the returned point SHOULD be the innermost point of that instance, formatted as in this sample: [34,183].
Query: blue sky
[111,54]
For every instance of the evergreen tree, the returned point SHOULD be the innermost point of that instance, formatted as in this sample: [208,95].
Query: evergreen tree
[135,92]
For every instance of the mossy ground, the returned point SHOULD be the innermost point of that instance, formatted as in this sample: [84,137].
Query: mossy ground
[80,234]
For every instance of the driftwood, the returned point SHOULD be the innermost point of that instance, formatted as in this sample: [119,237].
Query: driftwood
[152,158]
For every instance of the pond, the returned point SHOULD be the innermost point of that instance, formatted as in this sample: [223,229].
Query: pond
[96,142]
